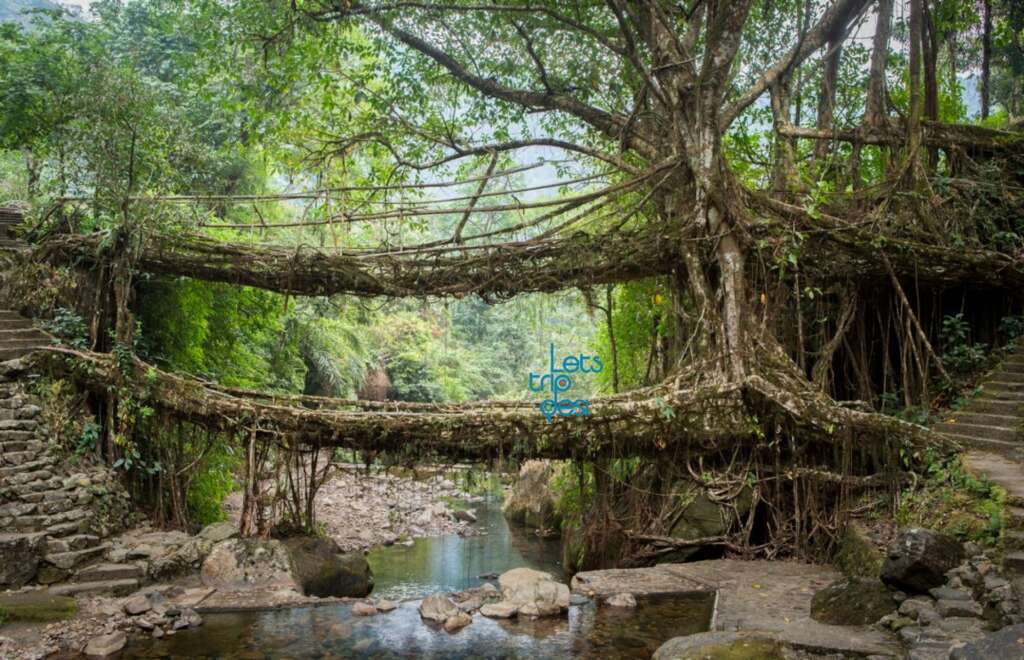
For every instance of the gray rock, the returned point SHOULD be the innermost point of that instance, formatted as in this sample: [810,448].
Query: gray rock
[852,601]
[1006,643]
[249,564]
[532,501]
[104,645]
[499,610]
[385,605]
[322,570]
[137,605]
[19,557]
[621,600]
[721,644]
[534,593]
[919,559]
[217,532]
[361,608]
[945,593]
[457,622]
[438,607]
[465,515]
[920,609]
[949,608]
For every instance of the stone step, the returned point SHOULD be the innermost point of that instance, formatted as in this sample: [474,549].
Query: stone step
[73,558]
[1013,562]
[1013,517]
[1002,386]
[71,543]
[985,419]
[979,431]
[1013,540]
[1002,447]
[107,572]
[990,405]
[17,436]
[7,353]
[1012,368]
[1002,376]
[113,587]
[65,528]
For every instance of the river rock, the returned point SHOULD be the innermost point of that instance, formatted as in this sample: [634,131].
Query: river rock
[438,607]
[19,557]
[621,600]
[919,559]
[137,605]
[249,564]
[852,601]
[534,593]
[322,570]
[385,605]
[499,610]
[1006,643]
[954,608]
[532,502]
[742,645]
[104,645]
[217,532]
[457,622]
[362,608]
[465,515]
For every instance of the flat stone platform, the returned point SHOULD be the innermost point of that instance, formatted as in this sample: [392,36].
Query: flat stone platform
[770,596]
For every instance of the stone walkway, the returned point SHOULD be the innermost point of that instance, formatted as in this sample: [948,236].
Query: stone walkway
[991,427]
[771,596]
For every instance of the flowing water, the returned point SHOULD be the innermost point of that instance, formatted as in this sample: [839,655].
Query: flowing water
[448,563]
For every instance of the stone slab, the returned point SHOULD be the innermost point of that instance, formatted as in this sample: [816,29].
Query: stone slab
[769,596]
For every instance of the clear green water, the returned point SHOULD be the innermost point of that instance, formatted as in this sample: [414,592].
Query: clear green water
[444,563]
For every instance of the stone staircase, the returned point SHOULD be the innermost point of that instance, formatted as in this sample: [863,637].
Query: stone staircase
[18,337]
[44,510]
[991,428]
[9,219]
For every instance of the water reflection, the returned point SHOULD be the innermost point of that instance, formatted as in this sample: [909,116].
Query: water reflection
[453,563]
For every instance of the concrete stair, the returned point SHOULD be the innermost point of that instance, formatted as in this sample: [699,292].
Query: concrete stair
[18,336]
[992,428]
[105,587]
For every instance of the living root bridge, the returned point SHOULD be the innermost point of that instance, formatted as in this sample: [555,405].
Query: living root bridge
[673,416]
[492,271]
[837,251]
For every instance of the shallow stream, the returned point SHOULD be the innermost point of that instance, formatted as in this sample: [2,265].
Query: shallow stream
[447,563]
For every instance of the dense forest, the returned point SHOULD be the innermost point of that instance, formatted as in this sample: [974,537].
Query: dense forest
[780,204]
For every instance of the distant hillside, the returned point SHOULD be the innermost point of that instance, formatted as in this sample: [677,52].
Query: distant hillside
[13,10]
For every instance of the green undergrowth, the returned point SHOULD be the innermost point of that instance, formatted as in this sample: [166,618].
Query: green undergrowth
[950,499]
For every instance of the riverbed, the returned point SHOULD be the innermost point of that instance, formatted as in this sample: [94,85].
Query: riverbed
[445,563]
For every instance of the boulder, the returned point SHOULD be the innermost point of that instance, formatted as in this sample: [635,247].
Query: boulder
[322,570]
[104,645]
[249,564]
[499,610]
[735,645]
[35,606]
[220,531]
[858,554]
[184,557]
[438,607]
[852,601]
[919,559]
[953,608]
[534,593]
[19,557]
[361,608]
[532,501]
[465,515]
[1006,643]
[702,518]
[621,600]
[137,605]
[457,622]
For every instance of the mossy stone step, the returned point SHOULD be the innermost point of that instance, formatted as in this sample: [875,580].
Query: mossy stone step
[107,572]
[36,606]
[115,587]
[1013,562]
